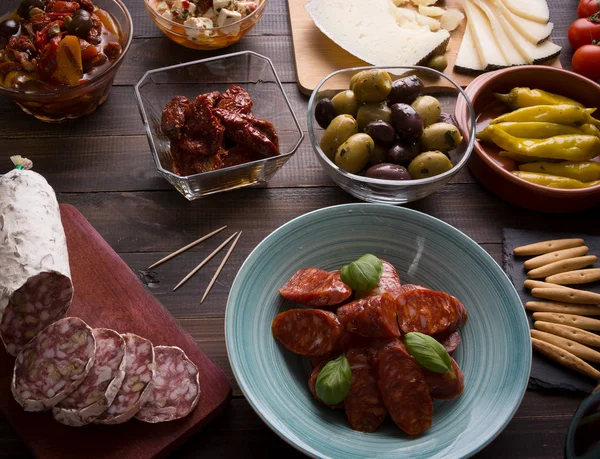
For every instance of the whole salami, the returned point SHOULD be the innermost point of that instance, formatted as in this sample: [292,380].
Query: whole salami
[137,384]
[53,364]
[315,287]
[307,331]
[99,388]
[374,317]
[176,387]
[35,279]
[403,388]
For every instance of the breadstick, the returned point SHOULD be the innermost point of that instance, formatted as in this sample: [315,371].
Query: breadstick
[576,334]
[580,276]
[562,266]
[531,284]
[572,320]
[573,347]
[565,358]
[567,295]
[549,306]
[540,248]
[555,256]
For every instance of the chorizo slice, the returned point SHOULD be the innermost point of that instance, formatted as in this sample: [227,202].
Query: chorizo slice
[403,388]
[312,382]
[364,406]
[429,311]
[375,316]
[449,339]
[307,331]
[389,282]
[315,287]
[443,386]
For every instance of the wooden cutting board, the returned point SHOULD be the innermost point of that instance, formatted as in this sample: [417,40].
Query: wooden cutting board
[317,56]
[108,294]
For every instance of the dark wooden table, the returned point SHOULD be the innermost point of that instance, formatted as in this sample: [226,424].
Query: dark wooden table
[102,165]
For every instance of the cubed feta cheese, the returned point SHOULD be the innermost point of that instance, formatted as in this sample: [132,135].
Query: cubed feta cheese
[246,7]
[227,17]
[167,15]
[211,14]
[197,26]
[183,9]
[218,5]
[161,6]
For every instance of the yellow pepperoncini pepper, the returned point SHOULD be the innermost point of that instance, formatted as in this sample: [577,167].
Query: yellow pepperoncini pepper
[526,159]
[554,181]
[526,97]
[569,147]
[585,171]
[590,129]
[531,130]
[562,114]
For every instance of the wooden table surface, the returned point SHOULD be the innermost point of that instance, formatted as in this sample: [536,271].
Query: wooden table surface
[102,165]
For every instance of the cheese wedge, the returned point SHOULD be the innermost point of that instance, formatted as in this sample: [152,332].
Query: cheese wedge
[534,10]
[468,59]
[533,31]
[488,49]
[369,31]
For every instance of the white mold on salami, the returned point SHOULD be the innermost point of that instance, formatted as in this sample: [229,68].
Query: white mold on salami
[99,389]
[35,279]
[176,389]
[137,384]
[53,364]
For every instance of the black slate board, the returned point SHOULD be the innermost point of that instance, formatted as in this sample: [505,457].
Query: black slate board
[545,374]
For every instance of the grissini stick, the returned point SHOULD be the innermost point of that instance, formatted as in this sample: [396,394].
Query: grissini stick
[571,320]
[551,257]
[565,358]
[531,284]
[575,334]
[562,266]
[579,350]
[214,279]
[567,295]
[540,248]
[564,308]
[189,246]
[580,276]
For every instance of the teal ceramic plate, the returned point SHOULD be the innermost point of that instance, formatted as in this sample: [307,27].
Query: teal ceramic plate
[495,353]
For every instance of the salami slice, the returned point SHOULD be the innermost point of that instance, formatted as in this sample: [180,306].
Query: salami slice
[375,316]
[315,287]
[307,331]
[389,282]
[176,387]
[449,339]
[312,383]
[429,311]
[403,388]
[443,386]
[53,364]
[35,279]
[137,384]
[364,407]
[99,388]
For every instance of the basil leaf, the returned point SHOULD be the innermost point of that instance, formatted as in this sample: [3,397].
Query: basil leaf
[333,382]
[363,273]
[428,352]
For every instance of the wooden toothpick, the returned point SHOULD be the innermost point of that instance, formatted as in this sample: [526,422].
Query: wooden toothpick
[214,279]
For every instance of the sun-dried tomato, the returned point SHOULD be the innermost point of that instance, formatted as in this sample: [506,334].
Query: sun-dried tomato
[236,99]
[47,62]
[63,7]
[264,126]
[173,117]
[40,21]
[243,133]
[202,123]
[239,155]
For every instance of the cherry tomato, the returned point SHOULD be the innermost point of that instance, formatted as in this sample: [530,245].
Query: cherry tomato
[586,61]
[583,32]
[587,7]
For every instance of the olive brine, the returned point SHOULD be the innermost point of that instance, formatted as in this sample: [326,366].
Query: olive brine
[387,130]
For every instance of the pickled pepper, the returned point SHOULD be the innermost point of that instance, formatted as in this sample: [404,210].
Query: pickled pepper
[562,114]
[585,171]
[526,97]
[525,159]
[554,181]
[531,130]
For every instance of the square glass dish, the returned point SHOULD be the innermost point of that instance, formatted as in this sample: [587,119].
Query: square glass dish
[253,72]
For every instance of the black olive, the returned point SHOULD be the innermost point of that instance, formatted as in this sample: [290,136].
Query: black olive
[81,24]
[27,5]
[9,27]
[324,112]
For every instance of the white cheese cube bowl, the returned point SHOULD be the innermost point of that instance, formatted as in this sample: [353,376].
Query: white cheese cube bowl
[394,192]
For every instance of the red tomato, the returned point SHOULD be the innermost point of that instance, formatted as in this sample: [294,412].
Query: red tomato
[587,7]
[583,32]
[586,61]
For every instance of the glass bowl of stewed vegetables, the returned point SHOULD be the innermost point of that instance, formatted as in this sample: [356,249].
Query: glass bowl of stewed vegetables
[58,59]
[386,134]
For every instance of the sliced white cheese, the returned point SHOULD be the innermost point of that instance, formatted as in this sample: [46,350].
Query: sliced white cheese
[468,59]
[431,11]
[369,31]
[533,31]
[534,10]
[489,51]
[451,19]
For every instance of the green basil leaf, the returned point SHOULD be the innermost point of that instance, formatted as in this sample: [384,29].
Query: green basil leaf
[333,382]
[363,273]
[428,352]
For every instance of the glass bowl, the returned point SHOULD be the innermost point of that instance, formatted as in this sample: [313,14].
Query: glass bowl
[251,71]
[205,39]
[393,191]
[83,99]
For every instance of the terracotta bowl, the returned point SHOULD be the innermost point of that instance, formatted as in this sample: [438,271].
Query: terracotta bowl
[494,171]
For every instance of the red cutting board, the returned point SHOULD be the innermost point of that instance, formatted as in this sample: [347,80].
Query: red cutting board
[108,294]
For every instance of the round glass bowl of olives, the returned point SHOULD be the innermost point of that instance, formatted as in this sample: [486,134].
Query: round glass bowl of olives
[386,135]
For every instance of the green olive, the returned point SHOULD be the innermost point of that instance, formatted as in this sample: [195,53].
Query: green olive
[429,164]
[338,131]
[372,86]
[355,78]
[353,155]
[345,103]
[378,155]
[438,63]
[373,112]
[440,136]
[428,108]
